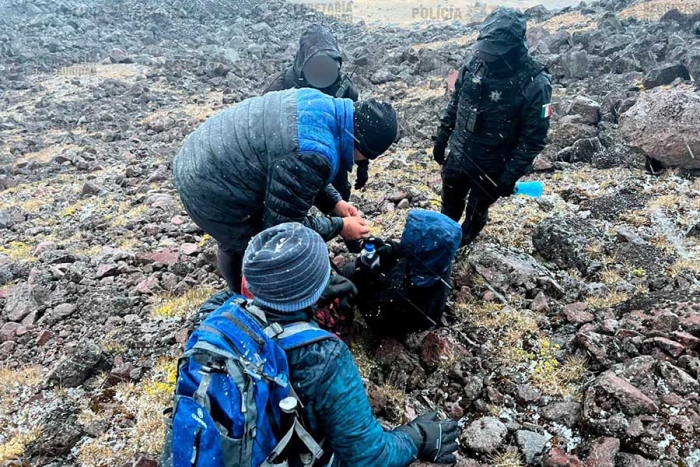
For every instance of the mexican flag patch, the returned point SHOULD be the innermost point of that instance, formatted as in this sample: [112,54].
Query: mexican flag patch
[546,111]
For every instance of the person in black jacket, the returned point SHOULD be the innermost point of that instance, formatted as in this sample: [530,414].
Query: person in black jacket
[318,64]
[268,159]
[496,122]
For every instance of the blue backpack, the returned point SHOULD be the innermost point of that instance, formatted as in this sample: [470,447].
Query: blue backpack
[234,404]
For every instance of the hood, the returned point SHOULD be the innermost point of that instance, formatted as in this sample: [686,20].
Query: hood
[317,39]
[501,31]
[430,241]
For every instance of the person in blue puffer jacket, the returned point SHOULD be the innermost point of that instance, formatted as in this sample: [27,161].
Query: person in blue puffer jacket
[287,269]
[269,159]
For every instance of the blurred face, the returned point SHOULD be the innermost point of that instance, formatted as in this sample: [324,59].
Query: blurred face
[321,71]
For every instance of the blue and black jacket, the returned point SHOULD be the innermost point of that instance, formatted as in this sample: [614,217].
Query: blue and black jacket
[266,161]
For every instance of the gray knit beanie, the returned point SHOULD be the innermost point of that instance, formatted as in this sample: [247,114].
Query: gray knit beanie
[287,267]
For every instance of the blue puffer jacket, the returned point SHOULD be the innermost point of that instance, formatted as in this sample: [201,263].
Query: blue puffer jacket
[336,408]
[266,161]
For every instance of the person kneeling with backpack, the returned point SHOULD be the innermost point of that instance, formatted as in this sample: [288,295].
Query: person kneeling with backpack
[261,385]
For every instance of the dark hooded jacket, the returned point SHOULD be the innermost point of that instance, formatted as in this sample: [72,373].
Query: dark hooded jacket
[317,39]
[411,289]
[508,127]
[267,161]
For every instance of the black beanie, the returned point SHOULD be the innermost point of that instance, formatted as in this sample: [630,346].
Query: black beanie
[376,127]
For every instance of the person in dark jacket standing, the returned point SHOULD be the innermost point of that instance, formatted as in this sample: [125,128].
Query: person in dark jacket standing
[496,122]
[318,64]
[268,159]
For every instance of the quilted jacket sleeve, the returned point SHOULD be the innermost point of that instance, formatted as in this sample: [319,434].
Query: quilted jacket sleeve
[341,407]
[293,184]
[327,199]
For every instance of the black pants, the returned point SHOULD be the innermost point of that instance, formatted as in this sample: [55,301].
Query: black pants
[469,194]
[231,267]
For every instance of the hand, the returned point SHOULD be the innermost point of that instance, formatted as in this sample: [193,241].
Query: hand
[345,209]
[439,153]
[338,287]
[362,174]
[439,150]
[354,228]
[436,439]
[504,189]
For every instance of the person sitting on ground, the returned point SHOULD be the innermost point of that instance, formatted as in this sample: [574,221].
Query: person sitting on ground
[318,64]
[287,271]
[267,160]
[408,290]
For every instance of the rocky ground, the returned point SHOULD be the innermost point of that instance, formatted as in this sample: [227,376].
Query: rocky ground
[578,326]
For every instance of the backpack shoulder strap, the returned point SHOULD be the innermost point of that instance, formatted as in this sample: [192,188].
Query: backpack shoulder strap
[301,334]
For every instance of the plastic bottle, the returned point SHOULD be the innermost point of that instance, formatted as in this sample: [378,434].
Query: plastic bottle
[533,189]
[369,257]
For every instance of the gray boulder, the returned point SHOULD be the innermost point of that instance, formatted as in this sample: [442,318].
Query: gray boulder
[664,126]
[665,74]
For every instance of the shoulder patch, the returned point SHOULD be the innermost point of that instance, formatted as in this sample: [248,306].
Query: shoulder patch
[546,111]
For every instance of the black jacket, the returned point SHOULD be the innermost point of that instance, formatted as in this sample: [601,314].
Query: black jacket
[317,39]
[509,130]
[264,162]
[391,303]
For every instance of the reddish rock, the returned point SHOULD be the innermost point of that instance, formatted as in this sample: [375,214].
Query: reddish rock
[690,341]
[631,399]
[178,220]
[4,293]
[182,335]
[105,270]
[558,458]
[44,246]
[666,322]
[667,345]
[147,286]
[20,302]
[678,380]
[576,313]
[440,349]
[634,460]
[189,249]
[166,257]
[603,452]
[9,331]
[539,304]
[43,337]
[21,330]
[29,320]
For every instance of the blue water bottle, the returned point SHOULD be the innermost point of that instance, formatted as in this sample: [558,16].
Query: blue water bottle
[533,189]
[369,257]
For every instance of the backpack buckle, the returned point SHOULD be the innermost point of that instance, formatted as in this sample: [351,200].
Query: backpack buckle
[274,330]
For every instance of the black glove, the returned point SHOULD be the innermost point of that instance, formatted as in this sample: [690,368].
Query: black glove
[504,189]
[439,150]
[362,174]
[338,287]
[436,439]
